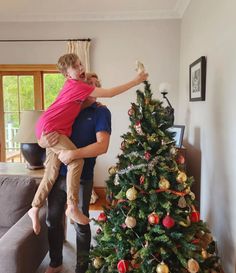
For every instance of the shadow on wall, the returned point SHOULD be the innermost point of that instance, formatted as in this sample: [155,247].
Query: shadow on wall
[194,164]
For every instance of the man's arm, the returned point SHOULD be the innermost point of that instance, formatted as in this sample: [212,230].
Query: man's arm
[92,150]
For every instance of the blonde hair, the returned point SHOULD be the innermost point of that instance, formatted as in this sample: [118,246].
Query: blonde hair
[90,75]
[66,61]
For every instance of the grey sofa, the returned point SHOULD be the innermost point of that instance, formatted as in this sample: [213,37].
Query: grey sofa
[21,251]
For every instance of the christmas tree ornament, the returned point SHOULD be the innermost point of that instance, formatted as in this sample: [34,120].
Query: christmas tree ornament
[180,159]
[164,184]
[147,101]
[98,231]
[116,180]
[162,268]
[151,138]
[131,112]
[204,254]
[123,266]
[98,262]
[181,177]
[130,222]
[138,128]
[139,67]
[195,215]
[131,194]
[168,221]
[185,223]
[187,190]
[112,170]
[147,156]
[141,179]
[182,202]
[192,195]
[193,266]
[102,217]
[153,218]
[122,146]
[173,151]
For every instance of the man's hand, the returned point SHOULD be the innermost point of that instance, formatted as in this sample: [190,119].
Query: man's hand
[49,140]
[66,156]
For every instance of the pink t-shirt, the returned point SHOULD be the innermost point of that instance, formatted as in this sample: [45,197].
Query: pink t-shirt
[61,114]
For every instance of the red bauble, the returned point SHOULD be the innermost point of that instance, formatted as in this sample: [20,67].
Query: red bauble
[180,159]
[102,217]
[195,216]
[168,221]
[147,155]
[153,219]
[123,266]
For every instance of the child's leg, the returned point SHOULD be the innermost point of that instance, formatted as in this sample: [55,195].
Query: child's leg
[52,166]
[72,182]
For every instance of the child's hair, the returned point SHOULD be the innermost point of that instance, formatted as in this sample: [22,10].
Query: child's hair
[65,61]
[90,75]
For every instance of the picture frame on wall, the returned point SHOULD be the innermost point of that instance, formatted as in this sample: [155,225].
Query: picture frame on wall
[179,134]
[197,80]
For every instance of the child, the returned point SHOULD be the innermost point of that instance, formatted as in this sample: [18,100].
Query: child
[59,117]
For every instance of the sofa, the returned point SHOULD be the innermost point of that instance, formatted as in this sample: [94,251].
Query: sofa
[21,251]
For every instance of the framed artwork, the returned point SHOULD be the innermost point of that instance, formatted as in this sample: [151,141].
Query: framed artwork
[197,79]
[179,134]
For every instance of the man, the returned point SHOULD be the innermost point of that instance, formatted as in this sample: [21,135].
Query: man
[91,134]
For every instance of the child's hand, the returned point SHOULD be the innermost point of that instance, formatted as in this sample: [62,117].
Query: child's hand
[141,77]
[66,156]
[48,140]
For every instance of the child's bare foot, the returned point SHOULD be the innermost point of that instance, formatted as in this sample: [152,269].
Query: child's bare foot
[53,269]
[34,215]
[76,215]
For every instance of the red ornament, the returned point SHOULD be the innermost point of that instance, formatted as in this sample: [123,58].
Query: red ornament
[123,266]
[147,155]
[153,219]
[195,216]
[131,112]
[102,217]
[180,159]
[141,179]
[168,221]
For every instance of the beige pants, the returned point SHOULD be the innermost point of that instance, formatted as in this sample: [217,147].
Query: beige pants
[52,167]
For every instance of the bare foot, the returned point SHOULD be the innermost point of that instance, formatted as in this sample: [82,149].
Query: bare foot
[76,215]
[34,215]
[53,269]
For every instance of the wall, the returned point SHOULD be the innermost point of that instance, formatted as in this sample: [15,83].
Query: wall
[208,28]
[115,48]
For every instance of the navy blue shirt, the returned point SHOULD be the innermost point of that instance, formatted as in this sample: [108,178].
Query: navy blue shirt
[91,120]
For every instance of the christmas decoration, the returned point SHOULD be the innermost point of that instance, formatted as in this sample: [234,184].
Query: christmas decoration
[162,268]
[193,266]
[102,217]
[130,222]
[153,218]
[168,221]
[97,263]
[151,223]
[123,266]
[131,194]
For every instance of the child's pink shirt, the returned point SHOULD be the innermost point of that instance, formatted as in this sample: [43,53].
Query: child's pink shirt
[61,114]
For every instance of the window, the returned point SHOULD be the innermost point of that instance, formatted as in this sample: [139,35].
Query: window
[23,87]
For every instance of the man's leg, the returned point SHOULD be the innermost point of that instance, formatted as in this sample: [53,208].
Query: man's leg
[83,232]
[56,209]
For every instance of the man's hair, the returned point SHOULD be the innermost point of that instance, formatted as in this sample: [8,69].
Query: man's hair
[90,75]
[65,61]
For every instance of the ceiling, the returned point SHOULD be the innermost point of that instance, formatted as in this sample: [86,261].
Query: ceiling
[90,10]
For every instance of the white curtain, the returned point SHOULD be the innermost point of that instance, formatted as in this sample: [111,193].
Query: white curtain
[81,48]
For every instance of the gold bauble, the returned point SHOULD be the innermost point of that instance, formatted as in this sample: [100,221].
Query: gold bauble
[98,262]
[173,151]
[164,184]
[131,194]
[181,177]
[130,222]
[182,202]
[112,170]
[193,266]
[162,268]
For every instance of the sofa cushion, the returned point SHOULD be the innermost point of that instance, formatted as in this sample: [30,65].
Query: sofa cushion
[16,195]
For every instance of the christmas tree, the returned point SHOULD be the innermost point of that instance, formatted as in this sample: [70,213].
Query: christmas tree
[151,223]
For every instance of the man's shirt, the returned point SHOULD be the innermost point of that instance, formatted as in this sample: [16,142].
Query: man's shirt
[91,120]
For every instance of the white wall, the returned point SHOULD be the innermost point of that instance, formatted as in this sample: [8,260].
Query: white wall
[208,28]
[115,48]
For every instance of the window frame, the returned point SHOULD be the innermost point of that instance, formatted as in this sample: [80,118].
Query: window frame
[37,71]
